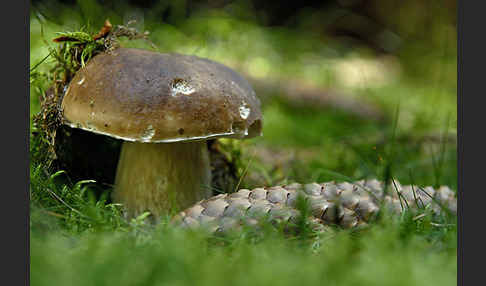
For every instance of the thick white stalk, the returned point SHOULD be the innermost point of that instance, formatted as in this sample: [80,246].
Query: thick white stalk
[162,177]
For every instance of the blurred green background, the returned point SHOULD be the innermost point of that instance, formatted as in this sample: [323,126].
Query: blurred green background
[350,89]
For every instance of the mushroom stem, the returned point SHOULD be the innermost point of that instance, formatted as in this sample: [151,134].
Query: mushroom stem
[161,178]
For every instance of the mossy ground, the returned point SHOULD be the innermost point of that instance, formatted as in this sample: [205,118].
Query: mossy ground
[79,238]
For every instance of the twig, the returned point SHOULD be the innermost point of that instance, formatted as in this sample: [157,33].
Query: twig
[245,171]
[64,203]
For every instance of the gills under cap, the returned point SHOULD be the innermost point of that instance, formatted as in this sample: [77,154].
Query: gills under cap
[144,96]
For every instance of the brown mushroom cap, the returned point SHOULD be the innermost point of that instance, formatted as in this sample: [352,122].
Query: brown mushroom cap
[144,96]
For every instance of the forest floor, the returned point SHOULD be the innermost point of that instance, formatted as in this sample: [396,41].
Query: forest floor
[330,113]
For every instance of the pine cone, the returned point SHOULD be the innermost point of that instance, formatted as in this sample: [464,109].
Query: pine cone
[345,204]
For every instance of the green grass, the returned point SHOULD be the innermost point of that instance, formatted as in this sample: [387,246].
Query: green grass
[79,238]
[354,148]
[384,255]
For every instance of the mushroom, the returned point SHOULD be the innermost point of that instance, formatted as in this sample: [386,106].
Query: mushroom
[164,107]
